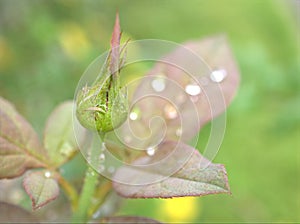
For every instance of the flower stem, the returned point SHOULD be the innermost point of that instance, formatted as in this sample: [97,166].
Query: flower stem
[101,194]
[89,186]
[70,191]
[90,182]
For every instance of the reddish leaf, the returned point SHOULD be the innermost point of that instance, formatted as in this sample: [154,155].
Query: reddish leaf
[14,214]
[41,187]
[20,148]
[168,175]
[182,114]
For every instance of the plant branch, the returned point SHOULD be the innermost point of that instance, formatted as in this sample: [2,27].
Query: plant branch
[101,194]
[89,186]
[90,182]
[69,190]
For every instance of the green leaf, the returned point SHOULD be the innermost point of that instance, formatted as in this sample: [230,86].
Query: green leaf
[41,188]
[195,177]
[59,138]
[20,148]
[127,219]
[14,214]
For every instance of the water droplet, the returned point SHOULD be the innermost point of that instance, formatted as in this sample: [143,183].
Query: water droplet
[47,174]
[170,111]
[178,132]
[101,157]
[133,116]
[218,75]
[158,84]
[85,90]
[103,147]
[193,89]
[66,149]
[151,151]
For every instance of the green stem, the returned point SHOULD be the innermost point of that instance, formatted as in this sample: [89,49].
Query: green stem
[101,194]
[90,183]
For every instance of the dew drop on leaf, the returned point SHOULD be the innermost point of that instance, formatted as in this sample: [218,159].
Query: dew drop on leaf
[101,157]
[158,84]
[193,89]
[218,75]
[103,148]
[66,149]
[133,116]
[47,174]
[170,111]
[151,151]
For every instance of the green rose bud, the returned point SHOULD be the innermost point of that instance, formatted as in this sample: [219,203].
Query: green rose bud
[104,106]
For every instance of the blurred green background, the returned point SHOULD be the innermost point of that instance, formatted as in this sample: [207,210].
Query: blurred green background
[45,47]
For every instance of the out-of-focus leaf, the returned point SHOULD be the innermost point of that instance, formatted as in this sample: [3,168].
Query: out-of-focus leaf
[127,219]
[59,138]
[20,148]
[214,82]
[41,188]
[216,52]
[14,214]
[194,177]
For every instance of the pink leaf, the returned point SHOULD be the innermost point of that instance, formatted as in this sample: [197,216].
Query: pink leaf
[41,187]
[176,170]
[195,90]
[20,148]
